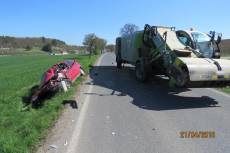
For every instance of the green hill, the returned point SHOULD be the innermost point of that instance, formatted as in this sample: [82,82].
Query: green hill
[33,45]
[16,42]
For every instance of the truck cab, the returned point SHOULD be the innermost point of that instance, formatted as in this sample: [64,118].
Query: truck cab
[199,41]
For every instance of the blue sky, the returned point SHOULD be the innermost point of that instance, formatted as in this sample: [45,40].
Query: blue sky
[70,20]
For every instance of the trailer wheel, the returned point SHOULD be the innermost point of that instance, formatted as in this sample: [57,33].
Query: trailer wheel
[182,79]
[119,62]
[140,73]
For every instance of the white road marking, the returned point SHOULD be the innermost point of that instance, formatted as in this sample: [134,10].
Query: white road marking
[79,124]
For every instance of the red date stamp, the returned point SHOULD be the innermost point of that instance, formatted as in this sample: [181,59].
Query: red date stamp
[198,134]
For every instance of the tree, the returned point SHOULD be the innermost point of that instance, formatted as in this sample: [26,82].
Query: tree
[28,47]
[128,29]
[43,39]
[94,44]
[47,48]
[100,45]
[89,42]
[54,42]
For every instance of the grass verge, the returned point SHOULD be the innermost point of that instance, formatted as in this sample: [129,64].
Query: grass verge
[22,131]
[226,90]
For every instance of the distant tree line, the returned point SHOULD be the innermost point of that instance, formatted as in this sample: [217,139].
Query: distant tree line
[29,43]
[91,44]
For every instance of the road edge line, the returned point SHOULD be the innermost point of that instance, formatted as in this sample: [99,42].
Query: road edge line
[77,130]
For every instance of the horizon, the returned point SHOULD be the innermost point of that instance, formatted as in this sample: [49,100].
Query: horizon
[71,20]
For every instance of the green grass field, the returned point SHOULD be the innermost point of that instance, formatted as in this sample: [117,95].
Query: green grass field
[22,51]
[21,130]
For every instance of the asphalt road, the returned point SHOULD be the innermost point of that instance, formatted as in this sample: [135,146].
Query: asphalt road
[121,115]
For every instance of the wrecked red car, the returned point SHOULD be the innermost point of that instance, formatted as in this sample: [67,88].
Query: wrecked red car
[59,76]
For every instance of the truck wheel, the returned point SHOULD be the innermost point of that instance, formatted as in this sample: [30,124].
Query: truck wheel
[182,78]
[119,63]
[141,74]
[180,81]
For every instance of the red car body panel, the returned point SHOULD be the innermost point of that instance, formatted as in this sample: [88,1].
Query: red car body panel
[48,75]
[69,70]
[74,71]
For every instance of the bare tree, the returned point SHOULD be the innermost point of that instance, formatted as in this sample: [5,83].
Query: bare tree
[89,42]
[94,44]
[128,29]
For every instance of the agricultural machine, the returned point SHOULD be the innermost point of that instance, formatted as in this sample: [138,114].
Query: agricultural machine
[187,58]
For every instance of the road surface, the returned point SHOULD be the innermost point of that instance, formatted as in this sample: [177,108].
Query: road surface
[121,115]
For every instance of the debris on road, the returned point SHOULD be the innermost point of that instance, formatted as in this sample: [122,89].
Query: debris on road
[66,143]
[113,133]
[53,146]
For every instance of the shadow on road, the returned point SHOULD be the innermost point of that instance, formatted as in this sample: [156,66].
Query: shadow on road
[153,95]
[71,103]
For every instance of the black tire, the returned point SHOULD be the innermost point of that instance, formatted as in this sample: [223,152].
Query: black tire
[119,62]
[140,73]
[182,79]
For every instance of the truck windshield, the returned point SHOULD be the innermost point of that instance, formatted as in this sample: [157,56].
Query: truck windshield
[203,44]
[200,37]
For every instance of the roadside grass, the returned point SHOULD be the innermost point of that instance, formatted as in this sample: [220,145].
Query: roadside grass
[226,90]
[21,130]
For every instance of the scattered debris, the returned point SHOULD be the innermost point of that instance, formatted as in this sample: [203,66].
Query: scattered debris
[66,143]
[53,146]
[113,133]
[82,72]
